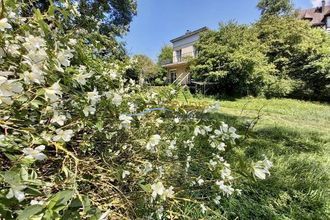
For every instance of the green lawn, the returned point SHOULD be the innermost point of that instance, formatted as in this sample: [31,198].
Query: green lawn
[295,135]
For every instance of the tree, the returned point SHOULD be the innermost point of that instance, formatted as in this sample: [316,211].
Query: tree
[301,54]
[166,55]
[275,7]
[143,68]
[111,16]
[233,57]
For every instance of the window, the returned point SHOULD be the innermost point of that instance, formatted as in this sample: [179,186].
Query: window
[195,52]
[178,55]
[172,76]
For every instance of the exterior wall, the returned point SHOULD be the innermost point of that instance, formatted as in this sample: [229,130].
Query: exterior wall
[186,46]
[181,74]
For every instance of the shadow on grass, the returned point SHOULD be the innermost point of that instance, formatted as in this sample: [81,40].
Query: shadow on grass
[297,187]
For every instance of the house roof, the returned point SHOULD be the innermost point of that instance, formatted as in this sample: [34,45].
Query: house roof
[316,16]
[189,33]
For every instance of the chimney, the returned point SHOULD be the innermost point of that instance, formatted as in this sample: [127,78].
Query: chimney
[323,5]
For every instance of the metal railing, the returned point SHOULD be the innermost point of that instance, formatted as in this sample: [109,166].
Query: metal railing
[178,59]
[183,57]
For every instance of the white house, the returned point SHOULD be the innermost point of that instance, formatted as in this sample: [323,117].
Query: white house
[183,50]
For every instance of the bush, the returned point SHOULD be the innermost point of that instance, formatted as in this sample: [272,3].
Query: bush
[79,141]
[266,59]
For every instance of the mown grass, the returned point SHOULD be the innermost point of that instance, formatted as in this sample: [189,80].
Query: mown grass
[295,135]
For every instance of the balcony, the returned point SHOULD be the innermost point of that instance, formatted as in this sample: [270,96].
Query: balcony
[184,57]
[179,59]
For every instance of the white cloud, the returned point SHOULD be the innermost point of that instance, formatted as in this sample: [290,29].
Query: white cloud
[317,3]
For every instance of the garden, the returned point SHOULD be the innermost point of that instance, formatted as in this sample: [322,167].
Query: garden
[81,139]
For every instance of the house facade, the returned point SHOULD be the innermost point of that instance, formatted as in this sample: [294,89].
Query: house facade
[183,51]
[318,17]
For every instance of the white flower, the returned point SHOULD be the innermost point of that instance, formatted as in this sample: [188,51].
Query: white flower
[33,43]
[168,193]
[16,191]
[213,163]
[203,208]
[227,189]
[6,73]
[64,57]
[157,189]
[82,77]
[13,49]
[200,181]
[36,57]
[125,121]
[198,130]
[36,75]
[89,110]
[261,168]
[35,153]
[72,42]
[226,174]
[117,99]
[147,168]
[94,97]
[63,135]
[4,24]
[36,202]
[53,93]
[213,108]
[216,200]
[59,119]
[220,146]
[9,88]
[153,141]
[2,137]
[159,121]
[113,74]
[160,212]
[132,107]
[177,120]
[125,173]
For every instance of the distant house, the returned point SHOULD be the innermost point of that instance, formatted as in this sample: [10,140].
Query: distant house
[183,50]
[318,17]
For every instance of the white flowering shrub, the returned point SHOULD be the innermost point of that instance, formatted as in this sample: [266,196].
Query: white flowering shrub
[79,141]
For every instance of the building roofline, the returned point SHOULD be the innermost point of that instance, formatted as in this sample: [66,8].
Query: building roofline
[188,34]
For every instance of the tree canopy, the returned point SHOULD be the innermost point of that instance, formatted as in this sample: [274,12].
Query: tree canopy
[111,16]
[267,59]
[275,7]
[165,55]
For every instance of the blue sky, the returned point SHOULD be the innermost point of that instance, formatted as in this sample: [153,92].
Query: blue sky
[159,21]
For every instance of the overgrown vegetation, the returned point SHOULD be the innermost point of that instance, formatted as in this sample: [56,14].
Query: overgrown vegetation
[279,56]
[296,135]
[78,140]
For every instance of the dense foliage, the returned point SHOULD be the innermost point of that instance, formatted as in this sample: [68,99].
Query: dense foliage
[166,55]
[142,69]
[79,141]
[275,7]
[234,57]
[267,59]
[109,16]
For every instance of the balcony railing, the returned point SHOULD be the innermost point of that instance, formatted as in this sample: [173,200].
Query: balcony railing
[178,59]
[183,57]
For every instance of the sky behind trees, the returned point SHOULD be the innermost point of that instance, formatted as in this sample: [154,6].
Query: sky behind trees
[160,21]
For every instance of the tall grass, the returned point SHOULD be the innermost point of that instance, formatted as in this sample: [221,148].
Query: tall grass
[295,135]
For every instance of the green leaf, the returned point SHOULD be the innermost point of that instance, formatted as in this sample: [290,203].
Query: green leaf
[61,198]
[146,188]
[36,103]
[30,211]
[24,174]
